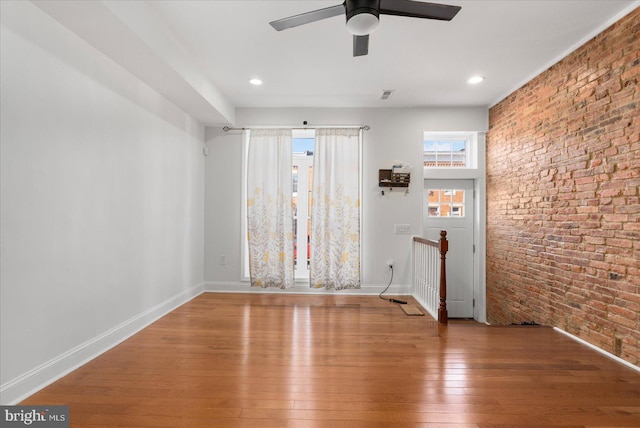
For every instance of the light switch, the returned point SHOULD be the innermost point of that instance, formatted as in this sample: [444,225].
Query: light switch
[402,229]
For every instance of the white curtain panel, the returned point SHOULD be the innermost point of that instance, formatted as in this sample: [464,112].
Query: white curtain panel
[269,210]
[335,211]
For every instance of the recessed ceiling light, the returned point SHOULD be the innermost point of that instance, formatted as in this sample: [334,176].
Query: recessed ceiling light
[475,80]
[255,82]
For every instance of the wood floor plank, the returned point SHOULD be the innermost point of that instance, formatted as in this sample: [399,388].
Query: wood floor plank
[270,360]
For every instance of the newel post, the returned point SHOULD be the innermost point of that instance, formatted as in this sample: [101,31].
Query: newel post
[443,316]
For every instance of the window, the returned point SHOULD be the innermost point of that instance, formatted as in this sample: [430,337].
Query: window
[446,203]
[450,150]
[445,153]
[303,143]
[302,172]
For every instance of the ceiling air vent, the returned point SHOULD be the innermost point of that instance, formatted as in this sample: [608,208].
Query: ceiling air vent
[386,94]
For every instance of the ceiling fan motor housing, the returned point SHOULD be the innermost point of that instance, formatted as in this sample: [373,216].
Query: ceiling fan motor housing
[362,16]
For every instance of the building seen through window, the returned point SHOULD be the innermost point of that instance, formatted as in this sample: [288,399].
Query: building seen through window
[301,202]
[446,203]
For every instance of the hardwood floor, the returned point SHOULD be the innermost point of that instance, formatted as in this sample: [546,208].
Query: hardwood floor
[272,360]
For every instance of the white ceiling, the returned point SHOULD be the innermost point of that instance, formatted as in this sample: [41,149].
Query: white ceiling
[201,54]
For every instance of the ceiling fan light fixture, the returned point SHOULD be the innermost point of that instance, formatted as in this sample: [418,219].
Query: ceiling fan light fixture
[362,24]
[363,16]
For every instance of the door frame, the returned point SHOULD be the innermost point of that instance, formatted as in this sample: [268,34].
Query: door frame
[478,174]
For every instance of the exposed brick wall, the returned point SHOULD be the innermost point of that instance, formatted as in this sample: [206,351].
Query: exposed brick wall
[563,210]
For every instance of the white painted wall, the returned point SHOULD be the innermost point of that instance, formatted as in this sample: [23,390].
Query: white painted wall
[102,202]
[108,219]
[395,134]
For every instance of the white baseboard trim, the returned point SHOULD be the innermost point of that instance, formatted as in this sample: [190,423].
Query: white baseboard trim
[600,350]
[303,288]
[34,380]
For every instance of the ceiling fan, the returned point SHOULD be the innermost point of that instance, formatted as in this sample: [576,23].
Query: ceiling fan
[363,16]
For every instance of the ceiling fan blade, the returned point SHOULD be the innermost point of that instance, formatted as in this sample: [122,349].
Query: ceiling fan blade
[308,17]
[360,45]
[417,9]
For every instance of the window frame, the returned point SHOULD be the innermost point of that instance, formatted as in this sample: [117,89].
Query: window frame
[474,152]
[437,205]
[450,154]
[305,162]
[244,248]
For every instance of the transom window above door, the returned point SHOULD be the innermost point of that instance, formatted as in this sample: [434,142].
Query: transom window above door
[449,151]
[445,153]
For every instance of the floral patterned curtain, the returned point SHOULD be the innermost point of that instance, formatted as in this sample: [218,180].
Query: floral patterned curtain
[269,210]
[335,211]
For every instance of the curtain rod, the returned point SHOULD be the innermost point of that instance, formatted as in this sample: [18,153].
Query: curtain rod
[227,129]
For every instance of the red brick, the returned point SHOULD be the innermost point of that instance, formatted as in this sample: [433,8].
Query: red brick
[563,187]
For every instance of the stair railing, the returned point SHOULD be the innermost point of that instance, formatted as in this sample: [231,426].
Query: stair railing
[430,275]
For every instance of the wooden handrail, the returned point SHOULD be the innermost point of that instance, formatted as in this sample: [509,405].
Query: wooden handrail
[427,241]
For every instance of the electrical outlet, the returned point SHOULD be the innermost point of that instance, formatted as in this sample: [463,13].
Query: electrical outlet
[390,264]
[223,260]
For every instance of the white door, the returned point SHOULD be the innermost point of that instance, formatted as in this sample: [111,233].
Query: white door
[449,206]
